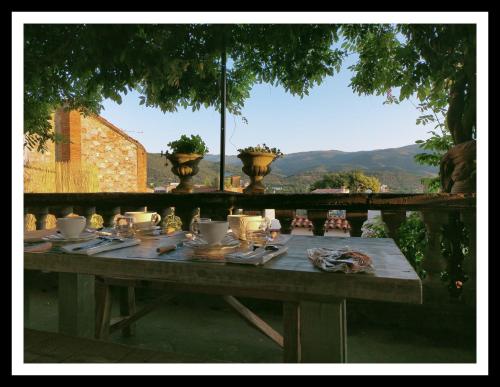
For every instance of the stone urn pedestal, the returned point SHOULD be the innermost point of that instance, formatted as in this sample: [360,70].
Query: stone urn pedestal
[184,166]
[256,166]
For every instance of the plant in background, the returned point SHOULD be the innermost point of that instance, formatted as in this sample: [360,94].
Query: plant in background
[374,228]
[412,239]
[262,149]
[438,144]
[355,180]
[454,247]
[188,145]
[186,154]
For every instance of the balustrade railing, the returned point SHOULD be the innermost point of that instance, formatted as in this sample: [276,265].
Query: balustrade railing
[437,210]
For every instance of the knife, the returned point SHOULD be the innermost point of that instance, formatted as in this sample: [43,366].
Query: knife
[92,244]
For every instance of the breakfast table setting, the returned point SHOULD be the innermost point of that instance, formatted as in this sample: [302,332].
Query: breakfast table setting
[244,256]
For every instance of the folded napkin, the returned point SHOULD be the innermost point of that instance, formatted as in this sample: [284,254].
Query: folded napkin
[38,235]
[344,259]
[38,248]
[257,257]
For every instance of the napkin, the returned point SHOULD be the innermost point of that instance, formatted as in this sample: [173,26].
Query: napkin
[38,248]
[344,260]
[257,257]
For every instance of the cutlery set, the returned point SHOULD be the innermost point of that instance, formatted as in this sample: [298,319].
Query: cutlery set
[101,241]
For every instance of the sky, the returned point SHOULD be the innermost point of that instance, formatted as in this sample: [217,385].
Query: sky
[332,116]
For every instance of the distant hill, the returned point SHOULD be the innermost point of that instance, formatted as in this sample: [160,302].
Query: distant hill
[159,174]
[395,167]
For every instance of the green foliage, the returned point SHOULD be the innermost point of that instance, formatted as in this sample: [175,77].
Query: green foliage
[375,228]
[435,62]
[171,65]
[412,239]
[188,145]
[454,248]
[438,144]
[355,180]
[262,149]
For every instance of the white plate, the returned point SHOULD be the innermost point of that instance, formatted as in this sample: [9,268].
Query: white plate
[147,229]
[59,238]
[201,244]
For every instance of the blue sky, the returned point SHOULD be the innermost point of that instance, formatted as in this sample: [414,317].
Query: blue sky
[331,117]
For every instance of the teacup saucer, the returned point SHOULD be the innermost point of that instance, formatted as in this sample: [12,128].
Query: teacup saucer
[155,230]
[60,238]
[152,228]
[201,244]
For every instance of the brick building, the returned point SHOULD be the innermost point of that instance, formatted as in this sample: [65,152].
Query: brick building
[120,160]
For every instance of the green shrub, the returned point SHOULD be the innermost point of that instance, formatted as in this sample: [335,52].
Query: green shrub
[189,145]
[262,149]
[412,239]
[374,228]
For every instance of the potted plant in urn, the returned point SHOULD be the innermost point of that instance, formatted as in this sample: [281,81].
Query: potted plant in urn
[256,161]
[185,155]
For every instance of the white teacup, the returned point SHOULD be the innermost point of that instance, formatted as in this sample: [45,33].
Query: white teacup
[240,224]
[144,220]
[71,227]
[213,232]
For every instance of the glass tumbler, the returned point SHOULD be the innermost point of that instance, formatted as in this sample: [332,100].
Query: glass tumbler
[195,229]
[124,226]
[258,237]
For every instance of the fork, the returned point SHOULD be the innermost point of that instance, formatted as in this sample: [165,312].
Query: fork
[103,240]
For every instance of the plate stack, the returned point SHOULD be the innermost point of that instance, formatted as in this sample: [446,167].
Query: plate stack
[200,250]
[150,231]
[59,239]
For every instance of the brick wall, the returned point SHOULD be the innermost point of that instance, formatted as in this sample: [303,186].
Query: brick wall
[121,161]
[68,124]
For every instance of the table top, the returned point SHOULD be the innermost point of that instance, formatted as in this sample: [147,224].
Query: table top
[288,276]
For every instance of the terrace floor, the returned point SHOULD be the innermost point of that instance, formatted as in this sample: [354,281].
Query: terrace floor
[205,326]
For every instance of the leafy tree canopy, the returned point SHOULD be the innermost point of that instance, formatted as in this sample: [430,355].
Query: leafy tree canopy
[356,181]
[437,62]
[170,65]
[179,65]
[435,147]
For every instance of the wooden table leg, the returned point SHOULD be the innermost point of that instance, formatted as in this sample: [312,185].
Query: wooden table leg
[127,308]
[77,304]
[323,335]
[26,306]
[27,296]
[103,309]
[291,332]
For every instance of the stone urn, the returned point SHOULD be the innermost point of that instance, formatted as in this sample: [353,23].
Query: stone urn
[184,166]
[256,166]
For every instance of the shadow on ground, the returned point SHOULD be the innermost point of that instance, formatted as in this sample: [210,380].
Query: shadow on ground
[205,326]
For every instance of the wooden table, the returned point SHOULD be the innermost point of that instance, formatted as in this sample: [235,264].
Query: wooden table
[314,315]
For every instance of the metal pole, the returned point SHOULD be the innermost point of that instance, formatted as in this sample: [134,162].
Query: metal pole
[222,117]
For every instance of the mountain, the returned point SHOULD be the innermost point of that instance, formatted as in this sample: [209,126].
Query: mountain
[159,174]
[394,159]
[394,167]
